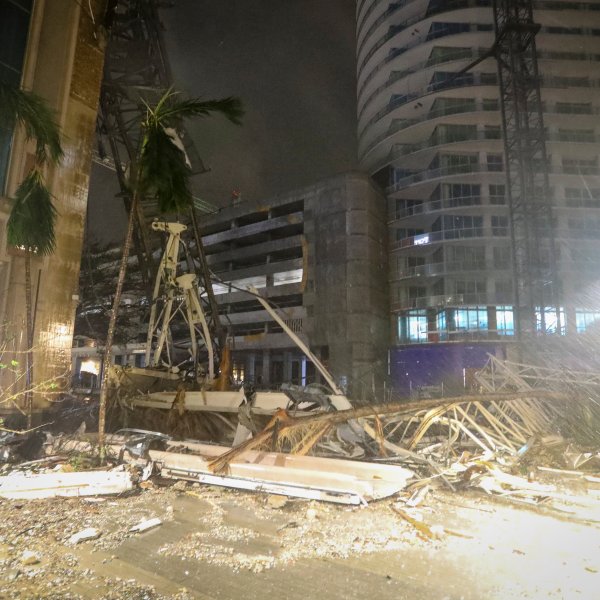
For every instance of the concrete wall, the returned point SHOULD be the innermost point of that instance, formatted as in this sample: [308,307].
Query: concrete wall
[347,284]
[64,63]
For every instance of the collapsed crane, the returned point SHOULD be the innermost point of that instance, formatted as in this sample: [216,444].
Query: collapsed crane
[535,273]
[536,287]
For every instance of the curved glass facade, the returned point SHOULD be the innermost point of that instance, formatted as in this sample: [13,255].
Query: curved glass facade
[433,141]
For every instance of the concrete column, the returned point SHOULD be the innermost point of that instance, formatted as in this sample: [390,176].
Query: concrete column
[570,319]
[249,367]
[266,367]
[287,366]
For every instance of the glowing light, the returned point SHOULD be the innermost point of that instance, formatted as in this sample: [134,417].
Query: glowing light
[90,366]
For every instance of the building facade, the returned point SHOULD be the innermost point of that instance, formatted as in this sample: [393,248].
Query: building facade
[319,254]
[434,142]
[56,49]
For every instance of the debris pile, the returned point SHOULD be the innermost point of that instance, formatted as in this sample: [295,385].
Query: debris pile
[320,479]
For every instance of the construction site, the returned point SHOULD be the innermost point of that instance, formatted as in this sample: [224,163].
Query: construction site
[383,384]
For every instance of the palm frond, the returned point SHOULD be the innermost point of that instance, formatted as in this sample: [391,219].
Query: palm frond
[170,109]
[31,221]
[162,168]
[37,119]
[164,173]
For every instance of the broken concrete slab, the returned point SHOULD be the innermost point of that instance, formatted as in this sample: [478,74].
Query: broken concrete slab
[145,525]
[333,480]
[80,483]
[91,533]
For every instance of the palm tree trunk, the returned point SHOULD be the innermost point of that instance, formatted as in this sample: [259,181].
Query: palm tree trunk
[110,334]
[29,331]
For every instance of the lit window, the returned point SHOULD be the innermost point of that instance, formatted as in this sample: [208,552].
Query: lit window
[505,320]
[550,319]
[585,318]
[412,327]
[293,276]
[472,319]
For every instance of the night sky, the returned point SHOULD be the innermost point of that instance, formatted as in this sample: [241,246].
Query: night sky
[292,62]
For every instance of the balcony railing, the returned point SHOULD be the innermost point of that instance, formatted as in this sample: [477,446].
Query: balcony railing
[442,268]
[418,40]
[446,300]
[417,68]
[473,55]
[424,239]
[478,79]
[437,173]
[446,7]
[455,109]
[432,206]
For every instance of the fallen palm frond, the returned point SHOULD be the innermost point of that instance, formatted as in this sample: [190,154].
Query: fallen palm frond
[304,432]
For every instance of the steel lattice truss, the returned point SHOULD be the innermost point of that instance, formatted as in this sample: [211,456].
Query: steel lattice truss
[507,376]
[136,73]
[535,278]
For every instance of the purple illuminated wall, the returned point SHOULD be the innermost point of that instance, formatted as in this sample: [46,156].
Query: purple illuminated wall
[434,364]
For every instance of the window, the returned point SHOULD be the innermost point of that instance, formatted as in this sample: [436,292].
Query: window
[468,257]
[442,79]
[574,108]
[14,27]
[470,287]
[415,261]
[458,160]
[580,166]
[467,193]
[490,104]
[450,106]
[585,318]
[502,257]
[440,54]
[495,162]
[416,291]
[504,290]
[497,193]
[447,134]
[412,326]
[397,174]
[457,163]
[405,233]
[585,228]
[456,227]
[408,207]
[493,132]
[582,197]
[550,320]
[438,30]
[488,79]
[565,30]
[576,135]
[504,320]
[441,326]
[293,276]
[471,319]
[499,225]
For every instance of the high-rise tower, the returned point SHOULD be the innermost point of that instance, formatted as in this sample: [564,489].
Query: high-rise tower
[433,140]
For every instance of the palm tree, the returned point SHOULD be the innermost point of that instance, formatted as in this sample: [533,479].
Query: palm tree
[161,170]
[31,222]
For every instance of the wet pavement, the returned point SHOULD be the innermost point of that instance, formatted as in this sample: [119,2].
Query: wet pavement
[216,543]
